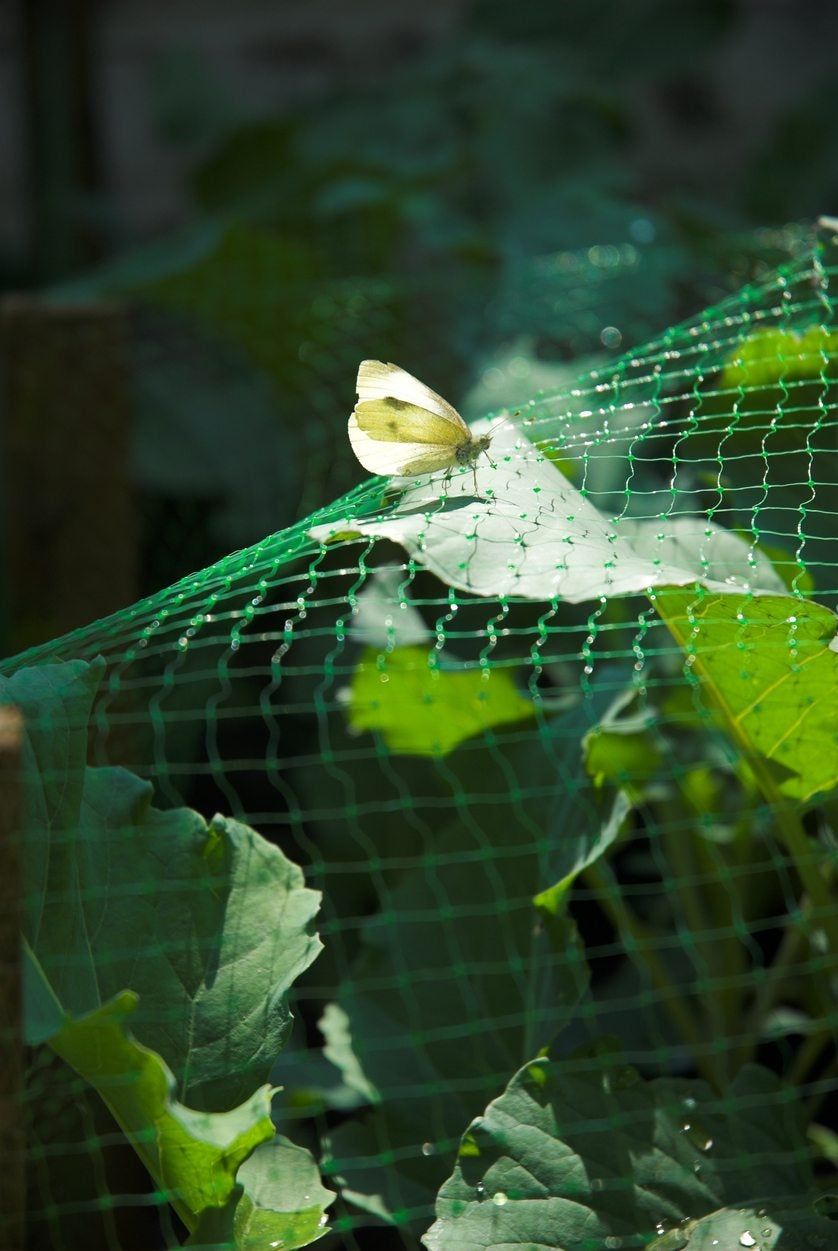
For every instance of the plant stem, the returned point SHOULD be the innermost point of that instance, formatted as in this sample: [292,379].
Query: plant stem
[680,854]
[638,943]
[816,1100]
[807,1055]
[777,973]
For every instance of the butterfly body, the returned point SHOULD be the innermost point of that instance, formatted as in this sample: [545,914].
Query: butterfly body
[400,426]
[468,452]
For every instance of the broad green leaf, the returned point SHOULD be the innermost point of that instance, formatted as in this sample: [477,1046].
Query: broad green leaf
[769,666]
[771,356]
[458,979]
[222,919]
[280,1202]
[572,1157]
[530,532]
[193,1156]
[209,922]
[767,1226]
[425,709]
[275,1195]
[775,387]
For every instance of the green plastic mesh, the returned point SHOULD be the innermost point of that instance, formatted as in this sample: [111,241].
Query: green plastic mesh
[560,754]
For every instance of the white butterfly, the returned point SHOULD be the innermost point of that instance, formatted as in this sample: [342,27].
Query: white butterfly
[400,426]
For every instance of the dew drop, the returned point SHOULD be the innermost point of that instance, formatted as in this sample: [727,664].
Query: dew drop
[697,1135]
[613,1242]
[747,1239]
[499,1198]
[427,1148]
[480,1190]
[673,1240]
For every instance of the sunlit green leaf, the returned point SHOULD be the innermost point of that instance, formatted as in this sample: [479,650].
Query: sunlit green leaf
[769,666]
[280,1203]
[193,1156]
[421,708]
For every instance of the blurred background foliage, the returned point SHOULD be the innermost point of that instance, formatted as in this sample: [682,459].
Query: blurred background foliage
[494,196]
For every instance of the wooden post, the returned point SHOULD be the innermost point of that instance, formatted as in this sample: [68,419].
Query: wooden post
[70,524]
[12,1137]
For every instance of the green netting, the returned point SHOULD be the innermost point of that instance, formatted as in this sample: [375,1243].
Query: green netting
[559,754]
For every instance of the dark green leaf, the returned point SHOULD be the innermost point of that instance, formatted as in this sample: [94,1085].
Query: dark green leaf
[569,1158]
[457,978]
[223,920]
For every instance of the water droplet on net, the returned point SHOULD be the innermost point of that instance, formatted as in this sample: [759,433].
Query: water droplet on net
[480,1190]
[427,1148]
[499,1198]
[747,1239]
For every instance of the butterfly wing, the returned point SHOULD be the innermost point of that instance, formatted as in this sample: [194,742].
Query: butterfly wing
[392,454]
[400,426]
[378,380]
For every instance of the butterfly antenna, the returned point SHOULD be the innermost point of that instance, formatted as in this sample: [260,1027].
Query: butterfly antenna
[501,421]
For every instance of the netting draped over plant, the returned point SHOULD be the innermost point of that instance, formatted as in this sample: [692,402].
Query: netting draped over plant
[559,751]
